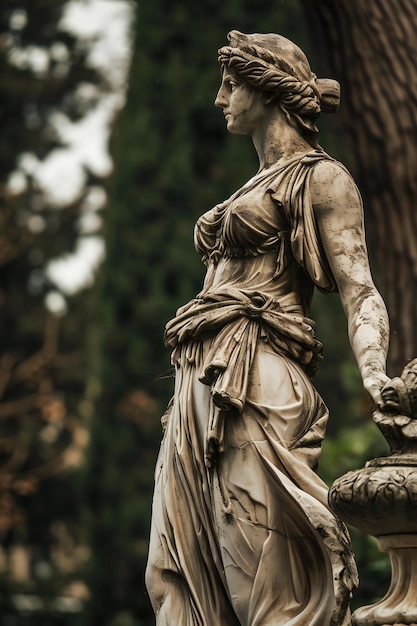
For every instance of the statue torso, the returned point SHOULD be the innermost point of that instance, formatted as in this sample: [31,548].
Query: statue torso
[246,242]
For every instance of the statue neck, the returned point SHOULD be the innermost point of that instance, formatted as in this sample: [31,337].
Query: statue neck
[276,140]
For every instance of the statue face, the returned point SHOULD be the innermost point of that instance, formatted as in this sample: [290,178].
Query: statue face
[244,108]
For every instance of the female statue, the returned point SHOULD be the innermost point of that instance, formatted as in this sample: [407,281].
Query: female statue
[241,531]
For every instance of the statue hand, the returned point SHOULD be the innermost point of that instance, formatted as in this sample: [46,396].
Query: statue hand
[374,384]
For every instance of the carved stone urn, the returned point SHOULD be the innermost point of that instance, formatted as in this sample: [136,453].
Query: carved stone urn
[381,499]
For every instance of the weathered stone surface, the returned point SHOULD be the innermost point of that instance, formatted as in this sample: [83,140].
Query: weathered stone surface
[399,605]
[242,532]
[381,499]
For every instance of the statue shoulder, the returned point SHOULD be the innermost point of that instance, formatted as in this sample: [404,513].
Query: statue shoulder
[332,186]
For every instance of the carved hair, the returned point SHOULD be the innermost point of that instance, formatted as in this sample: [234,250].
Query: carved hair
[300,95]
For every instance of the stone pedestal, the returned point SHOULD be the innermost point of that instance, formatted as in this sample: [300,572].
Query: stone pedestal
[381,500]
[399,605]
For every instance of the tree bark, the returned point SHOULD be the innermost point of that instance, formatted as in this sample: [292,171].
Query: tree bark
[371,48]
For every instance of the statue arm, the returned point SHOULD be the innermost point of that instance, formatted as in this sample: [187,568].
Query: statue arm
[338,210]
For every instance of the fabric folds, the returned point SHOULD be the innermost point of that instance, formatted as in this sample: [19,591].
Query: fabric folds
[242,534]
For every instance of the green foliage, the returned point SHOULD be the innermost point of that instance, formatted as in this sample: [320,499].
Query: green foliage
[338,379]
[350,449]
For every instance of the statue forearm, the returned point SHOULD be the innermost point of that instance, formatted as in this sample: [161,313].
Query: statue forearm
[369,337]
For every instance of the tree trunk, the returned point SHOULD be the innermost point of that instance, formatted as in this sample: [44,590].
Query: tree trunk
[371,48]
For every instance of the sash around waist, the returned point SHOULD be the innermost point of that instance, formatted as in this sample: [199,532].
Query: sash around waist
[234,321]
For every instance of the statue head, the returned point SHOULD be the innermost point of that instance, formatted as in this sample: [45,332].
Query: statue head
[274,65]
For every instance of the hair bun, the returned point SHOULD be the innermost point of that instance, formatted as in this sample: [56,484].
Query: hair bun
[329,90]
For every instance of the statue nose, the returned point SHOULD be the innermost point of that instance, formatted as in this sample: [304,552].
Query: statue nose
[220,100]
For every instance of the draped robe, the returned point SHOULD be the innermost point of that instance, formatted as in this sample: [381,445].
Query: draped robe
[241,529]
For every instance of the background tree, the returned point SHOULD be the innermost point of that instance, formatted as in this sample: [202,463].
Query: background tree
[57,108]
[41,362]
[371,48]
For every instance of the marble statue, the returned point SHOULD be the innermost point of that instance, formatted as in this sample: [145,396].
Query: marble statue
[242,533]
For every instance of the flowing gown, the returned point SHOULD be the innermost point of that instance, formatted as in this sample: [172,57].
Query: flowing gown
[241,529]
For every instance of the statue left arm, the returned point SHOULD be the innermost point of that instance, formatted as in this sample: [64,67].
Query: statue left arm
[338,210]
